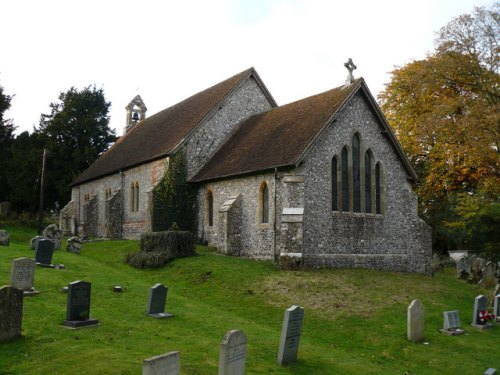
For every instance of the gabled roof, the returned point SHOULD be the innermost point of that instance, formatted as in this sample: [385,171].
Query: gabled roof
[282,136]
[161,134]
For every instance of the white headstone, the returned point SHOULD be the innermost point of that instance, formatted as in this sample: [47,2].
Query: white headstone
[290,335]
[232,354]
[415,321]
[164,364]
[23,274]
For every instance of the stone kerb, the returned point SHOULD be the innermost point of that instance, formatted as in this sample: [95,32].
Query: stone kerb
[290,335]
[11,312]
[232,354]
[164,364]
[415,321]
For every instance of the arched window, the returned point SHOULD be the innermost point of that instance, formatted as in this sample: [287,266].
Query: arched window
[264,201]
[368,182]
[356,174]
[136,197]
[132,196]
[334,179]
[345,179]
[210,208]
[378,189]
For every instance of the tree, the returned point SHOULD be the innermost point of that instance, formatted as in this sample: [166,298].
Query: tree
[445,111]
[75,133]
[6,138]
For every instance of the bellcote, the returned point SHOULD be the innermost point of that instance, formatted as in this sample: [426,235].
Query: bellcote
[136,112]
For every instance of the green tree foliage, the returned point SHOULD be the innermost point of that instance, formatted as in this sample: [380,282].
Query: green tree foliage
[174,199]
[445,111]
[6,138]
[75,133]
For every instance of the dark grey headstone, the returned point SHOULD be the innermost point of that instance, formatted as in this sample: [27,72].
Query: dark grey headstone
[232,354]
[290,335]
[23,275]
[43,253]
[496,307]
[78,305]
[165,364]
[11,312]
[156,301]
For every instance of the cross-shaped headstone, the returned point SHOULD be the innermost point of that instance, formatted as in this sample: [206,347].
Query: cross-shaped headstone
[350,67]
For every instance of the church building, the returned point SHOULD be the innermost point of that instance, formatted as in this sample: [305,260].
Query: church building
[321,181]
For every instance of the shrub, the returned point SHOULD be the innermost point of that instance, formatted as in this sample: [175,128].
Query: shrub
[147,260]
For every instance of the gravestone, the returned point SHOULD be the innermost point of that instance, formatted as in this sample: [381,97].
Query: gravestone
[232,354]
[74,245]
[415,321]
[11,312]
[4,238]
[290,335]
[4,209]
[53,233]
[78,305]
[480,304]
[156,302]
[463,268]
[491,371]
[496,307]
[22,276]
[43,253]
[164,364]
[451,325]
[34,241]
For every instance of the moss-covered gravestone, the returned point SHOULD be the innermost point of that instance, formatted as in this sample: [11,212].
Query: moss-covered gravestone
[11,312]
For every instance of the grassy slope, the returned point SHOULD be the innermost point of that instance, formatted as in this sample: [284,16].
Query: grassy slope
[355,320]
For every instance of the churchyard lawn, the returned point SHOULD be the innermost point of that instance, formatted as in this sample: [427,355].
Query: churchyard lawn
[354,320]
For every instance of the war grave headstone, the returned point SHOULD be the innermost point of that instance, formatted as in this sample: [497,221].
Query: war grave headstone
[232,353]
[23,276]
[11,312]
[156,302]
[4,238]
[78,305]
[480,304]
[496,307]
[43,253]
[415,321]
[164,364]
[290,335]
[451,324]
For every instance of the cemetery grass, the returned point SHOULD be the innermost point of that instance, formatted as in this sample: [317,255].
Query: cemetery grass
[355,320]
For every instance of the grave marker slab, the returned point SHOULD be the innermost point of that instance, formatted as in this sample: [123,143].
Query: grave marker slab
[43,253]
[164,364]
[480,304]
[496,307]
[415,321]
[232,354]
[451,324]
[11,312]
[290,335]
[78,305]
[156,302]
[23,275]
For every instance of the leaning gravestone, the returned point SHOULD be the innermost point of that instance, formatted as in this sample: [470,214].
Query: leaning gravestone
[34,241]
[43,253]
[165,364]
[496,307]
[415,321]
[480,304]
[451,325]
[156,302]
[232,354]
[4,238]
[78,305]
[53,233]
[23,276]
[290,335]
[11,312]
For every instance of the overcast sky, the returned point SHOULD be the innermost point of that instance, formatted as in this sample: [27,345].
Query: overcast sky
[168,50]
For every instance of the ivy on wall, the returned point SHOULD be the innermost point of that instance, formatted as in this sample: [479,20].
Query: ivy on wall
[174,199]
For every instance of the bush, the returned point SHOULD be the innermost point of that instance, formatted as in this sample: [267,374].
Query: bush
[158,248]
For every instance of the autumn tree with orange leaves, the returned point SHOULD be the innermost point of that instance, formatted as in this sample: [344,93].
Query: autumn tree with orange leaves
[445,112]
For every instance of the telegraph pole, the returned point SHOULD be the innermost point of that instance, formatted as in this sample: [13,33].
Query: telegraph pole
[42,188]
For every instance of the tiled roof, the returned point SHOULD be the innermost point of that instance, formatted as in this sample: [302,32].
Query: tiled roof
[276,138]
[157,136]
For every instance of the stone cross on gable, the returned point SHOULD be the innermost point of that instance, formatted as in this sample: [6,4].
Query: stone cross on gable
[350,67]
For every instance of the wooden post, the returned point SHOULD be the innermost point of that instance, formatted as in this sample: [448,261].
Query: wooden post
[42,187]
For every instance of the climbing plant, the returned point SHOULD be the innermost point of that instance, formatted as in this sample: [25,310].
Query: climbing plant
[174,199]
